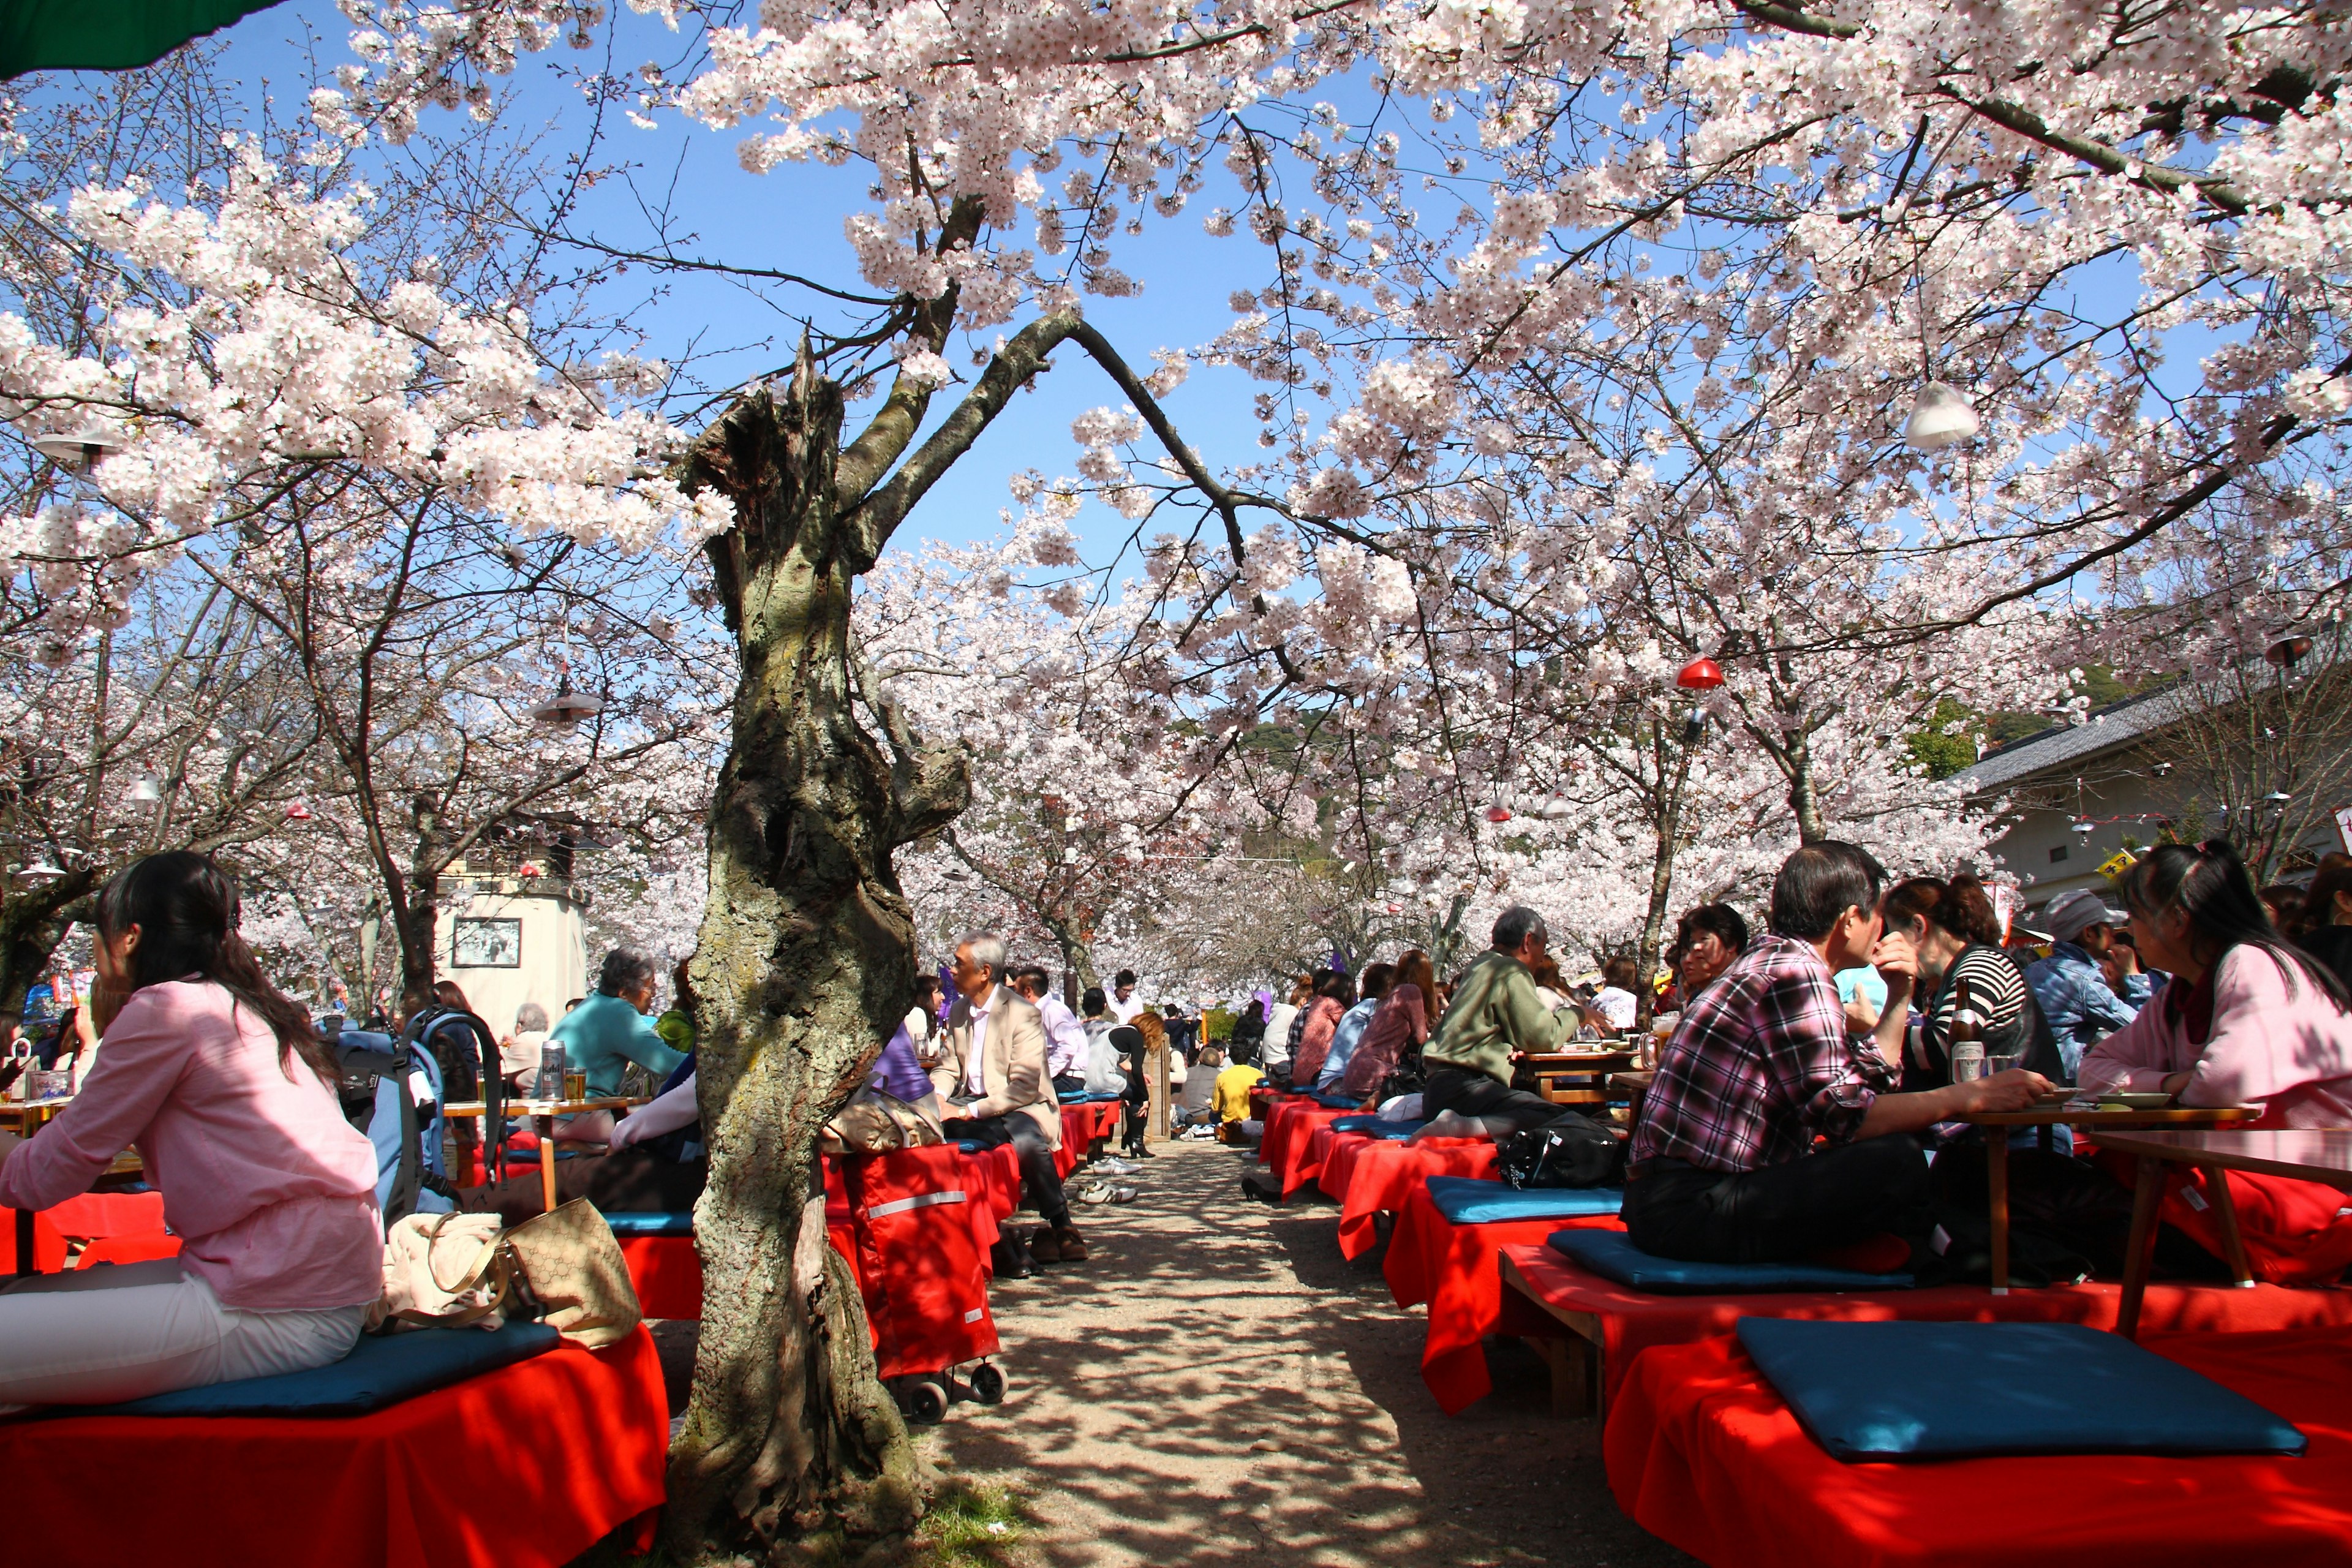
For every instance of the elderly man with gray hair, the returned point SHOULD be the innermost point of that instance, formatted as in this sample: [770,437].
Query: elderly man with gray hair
[1495,1018]
[992,1078]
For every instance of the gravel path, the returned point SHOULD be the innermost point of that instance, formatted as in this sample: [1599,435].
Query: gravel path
[1217,1383]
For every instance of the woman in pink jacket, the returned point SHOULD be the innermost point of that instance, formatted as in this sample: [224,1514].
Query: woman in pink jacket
[223,1085]
[2246,1019]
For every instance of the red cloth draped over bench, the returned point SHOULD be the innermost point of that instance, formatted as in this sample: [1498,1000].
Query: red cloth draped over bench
[1081,1125]
[1290,1145]
[1703,1452]
[95,1218]
[526,1466]
[1452,1268]
[1632,1321]
[1381,1177]
[668,1273]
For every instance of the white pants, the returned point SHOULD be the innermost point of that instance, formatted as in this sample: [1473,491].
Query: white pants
[125,1330]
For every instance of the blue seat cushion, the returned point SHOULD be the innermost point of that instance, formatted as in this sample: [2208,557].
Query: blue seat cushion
[651,1222]
[381,1371]
[1373,1127]
[1951,1391]
[1613,1255]
[1340,1102]
[1466,1202]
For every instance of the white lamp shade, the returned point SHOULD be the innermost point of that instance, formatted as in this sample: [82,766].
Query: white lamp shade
[146,789]
[1941,417]
[566,708]
[77,449]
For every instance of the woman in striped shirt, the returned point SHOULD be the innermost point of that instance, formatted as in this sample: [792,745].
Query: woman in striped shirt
[1957,936]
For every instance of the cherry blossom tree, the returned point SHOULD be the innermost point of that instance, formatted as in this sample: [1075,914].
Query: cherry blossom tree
[2030,207]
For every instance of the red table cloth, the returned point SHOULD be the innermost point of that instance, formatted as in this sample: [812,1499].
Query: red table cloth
[1453,1268]
[526,1466]
[1382,1176]
[1289,1140]
[1702,1452]
[668,1273]
[1632,1321]
[1081,1125]
[1333,1155]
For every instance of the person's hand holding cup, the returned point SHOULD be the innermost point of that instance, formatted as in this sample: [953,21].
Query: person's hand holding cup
[2015,1090]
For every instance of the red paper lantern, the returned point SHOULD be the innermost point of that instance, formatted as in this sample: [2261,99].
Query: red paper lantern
[297,812]
[1498,814]
[1701,674]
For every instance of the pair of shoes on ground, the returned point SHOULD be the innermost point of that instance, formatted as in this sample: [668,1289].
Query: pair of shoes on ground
[1136,1151]
[1104,1193]
[1009,1260]
[1110,1167]
[1057,1244]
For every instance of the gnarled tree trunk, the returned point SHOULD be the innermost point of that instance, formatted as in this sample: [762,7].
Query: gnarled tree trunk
[807,941]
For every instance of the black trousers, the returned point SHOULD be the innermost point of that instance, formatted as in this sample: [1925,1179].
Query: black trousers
[1137,1099]
[1070,1083]
[1466,1092]
[1785,1213]
[1038,1177]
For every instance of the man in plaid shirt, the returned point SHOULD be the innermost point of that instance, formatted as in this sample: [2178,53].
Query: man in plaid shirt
[1723,1164]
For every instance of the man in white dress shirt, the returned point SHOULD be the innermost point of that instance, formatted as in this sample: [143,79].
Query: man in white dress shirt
[1124,1003]
[1065,1037]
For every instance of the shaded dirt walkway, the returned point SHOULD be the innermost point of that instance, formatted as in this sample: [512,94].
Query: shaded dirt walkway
[1216,1383]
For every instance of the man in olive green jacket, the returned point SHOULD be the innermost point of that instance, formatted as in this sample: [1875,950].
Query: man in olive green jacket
[1495,1018]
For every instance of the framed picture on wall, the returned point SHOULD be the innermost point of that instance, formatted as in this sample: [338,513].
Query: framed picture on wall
[485,943]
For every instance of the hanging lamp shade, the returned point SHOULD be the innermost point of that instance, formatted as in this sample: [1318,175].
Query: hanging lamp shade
[1555,807]
[299,812]
[39,871]
[1498,814]
[1941,417]
[1701,674]
[145,790]
[77,449]
[566,708]
[116,34]
[2288,651]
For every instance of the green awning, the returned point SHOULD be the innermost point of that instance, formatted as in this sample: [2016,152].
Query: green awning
[106,35]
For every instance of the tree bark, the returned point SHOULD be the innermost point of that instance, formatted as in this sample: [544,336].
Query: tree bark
[417,918]
[1674,768]
[805,942]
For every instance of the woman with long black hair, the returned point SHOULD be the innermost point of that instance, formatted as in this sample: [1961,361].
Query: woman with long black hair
[225,1089]
[2246,1019]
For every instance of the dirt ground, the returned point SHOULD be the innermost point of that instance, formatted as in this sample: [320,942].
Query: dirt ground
[1216,1383]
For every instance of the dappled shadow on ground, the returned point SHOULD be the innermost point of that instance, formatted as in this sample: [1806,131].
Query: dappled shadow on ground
[1217,1383]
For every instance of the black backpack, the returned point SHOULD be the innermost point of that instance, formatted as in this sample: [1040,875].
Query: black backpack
[466,1052]
[1573,1151]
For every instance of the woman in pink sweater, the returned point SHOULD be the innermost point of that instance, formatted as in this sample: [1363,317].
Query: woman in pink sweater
[2245,1020]
[223,1085]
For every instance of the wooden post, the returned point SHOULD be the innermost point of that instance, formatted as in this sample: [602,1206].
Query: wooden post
[1156,1130]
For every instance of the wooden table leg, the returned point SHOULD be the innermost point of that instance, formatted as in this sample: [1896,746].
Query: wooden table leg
[546,1162]
[25,1264]
[1574,1382]
[2147,1191]
[1997,1179]
[2233,1240]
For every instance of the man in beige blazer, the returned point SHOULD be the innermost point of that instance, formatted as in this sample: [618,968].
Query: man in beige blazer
[993,1083]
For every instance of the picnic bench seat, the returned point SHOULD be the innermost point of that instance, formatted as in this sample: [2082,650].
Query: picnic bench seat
[525,1464]
[1704,1453]
[1603,1325]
